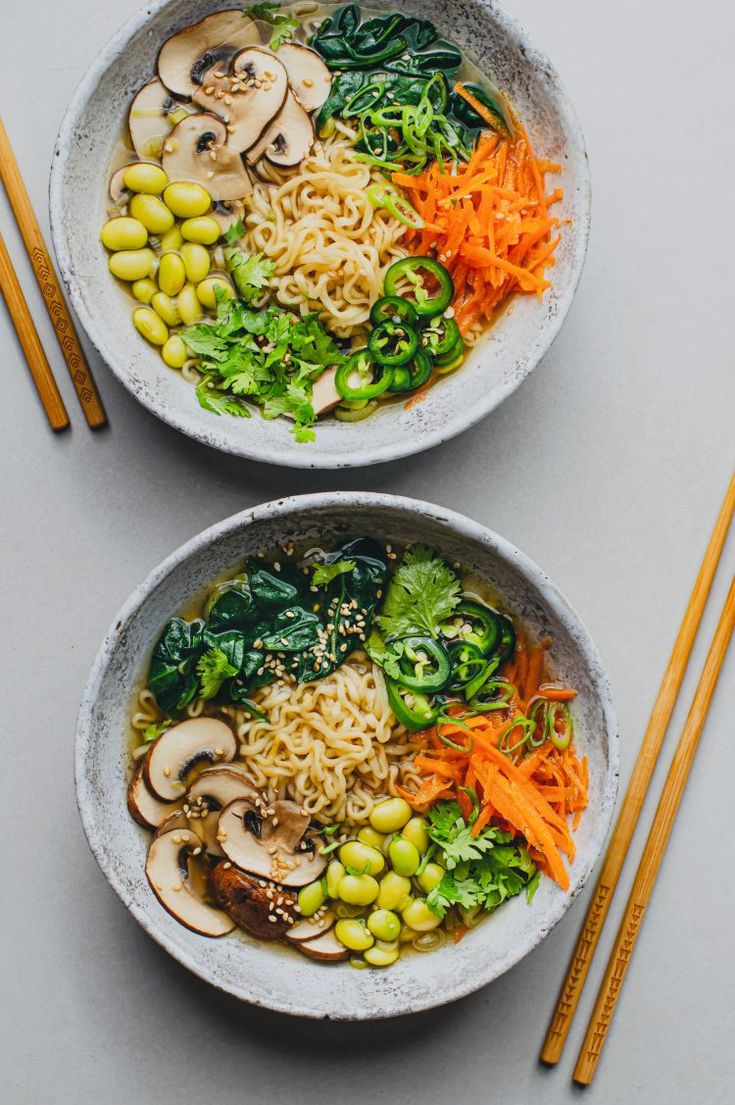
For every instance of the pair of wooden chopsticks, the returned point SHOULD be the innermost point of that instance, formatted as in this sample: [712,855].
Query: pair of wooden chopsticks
[662,823]
[20,314]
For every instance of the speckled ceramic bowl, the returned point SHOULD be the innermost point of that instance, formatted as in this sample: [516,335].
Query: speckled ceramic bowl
[278,978]
[515,346]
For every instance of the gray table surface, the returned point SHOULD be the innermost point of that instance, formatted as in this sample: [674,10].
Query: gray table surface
[607,467]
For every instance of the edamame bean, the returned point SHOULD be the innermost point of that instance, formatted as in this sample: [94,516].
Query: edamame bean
[384,924]
[430,877]
[419,917]
[203,230]
[171,273]
[404,856]
[394,891]
[335,873]
[353,935]
[417,831]
[358,889]
[391,815]
[197,261]
[190,308]
[123,233]
[361,857]
[172,240]
[206,291]
[369,836]
[144,289]
[312,897]
[164,306]
[148,323]
[143,177]
[174,352]
[186,199]
[132,264]
[382,954]
[152,212]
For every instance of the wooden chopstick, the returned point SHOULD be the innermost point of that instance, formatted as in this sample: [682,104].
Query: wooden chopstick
[48,283]
[653,738]
[41,372]
[655,848]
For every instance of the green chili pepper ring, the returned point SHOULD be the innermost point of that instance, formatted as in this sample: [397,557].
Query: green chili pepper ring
[409,270]
[393,343]
[378,377]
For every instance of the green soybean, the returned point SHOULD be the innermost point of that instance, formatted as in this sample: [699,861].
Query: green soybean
[206,291]
[353,935]
[172,240]
[391,815]
[417,832]
[190,308]
[123,233]
[430,877]
[150,325]
[203,230]
[404,856]
[382,954]
[164,306]
[361,857]
[358,889]
[197,261]
[152,212]
[384,924]
[144,289]
[186,199]
[132,264]
[312,897]
[394,891]
[171,273]
[419,917]
[144,177]
[335,873]
[174,353]
[368,835]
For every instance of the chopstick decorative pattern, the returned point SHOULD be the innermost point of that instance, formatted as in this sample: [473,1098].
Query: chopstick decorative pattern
[639,782]
[655,848]
[49,285]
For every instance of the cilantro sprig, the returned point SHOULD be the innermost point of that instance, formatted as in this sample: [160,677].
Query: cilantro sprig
[422,594]
[283,25]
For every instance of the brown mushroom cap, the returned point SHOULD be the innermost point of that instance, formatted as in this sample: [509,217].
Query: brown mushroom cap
[325,948]
[187,57]
[178,749]
[249,904]
[144,807]
[288,139]
[197,149]
[248,97]
[210,792]
[170,882]
[308,76]
[254,843]
[148,119]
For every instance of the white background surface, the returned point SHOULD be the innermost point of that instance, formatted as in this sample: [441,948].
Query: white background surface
[607,467]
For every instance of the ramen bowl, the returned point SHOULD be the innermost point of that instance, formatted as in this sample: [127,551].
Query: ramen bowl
[280,978]
[513,346]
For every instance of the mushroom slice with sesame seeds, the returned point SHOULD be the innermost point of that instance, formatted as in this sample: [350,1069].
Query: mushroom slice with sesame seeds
[258,843]
[248,97]
[308,928]
[197,150]
[144,807]
[178,749]
[251,905]
[150,119]
[213,789]
[187,59]
[308,76]
[288,139]
[326,948]
[170,881]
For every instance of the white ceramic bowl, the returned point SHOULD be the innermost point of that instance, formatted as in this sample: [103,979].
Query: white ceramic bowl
[279,978]
[515,346]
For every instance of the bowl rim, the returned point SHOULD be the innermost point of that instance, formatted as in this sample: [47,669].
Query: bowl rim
[299,505]
[401,445]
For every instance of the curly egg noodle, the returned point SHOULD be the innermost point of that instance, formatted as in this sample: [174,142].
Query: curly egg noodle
[332,745]
[331,246]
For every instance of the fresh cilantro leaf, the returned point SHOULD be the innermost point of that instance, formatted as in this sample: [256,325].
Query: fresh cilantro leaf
[250,273]
[213,668]
[451,891]
[422,594]
[153,732]
[325,573]
[235,231]
[219,403]
[283,25]
[380,655]
[532,886]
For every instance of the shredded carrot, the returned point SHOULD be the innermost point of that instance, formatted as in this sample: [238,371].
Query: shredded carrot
[487,220]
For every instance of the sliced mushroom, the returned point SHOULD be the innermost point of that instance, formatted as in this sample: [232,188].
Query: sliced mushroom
[254,843]
[250,905]
[326,948]
[248,97]
[308,929]
[119,192]
[215,788]
[175,820]
[308,76]
[187,57]
[227,214]
[179,748]
[324,395]
[170,882]
[148,119]
[196,150]
[144,807]
[288,139]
